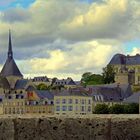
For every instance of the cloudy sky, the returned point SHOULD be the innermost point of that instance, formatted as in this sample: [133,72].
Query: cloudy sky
[68,37]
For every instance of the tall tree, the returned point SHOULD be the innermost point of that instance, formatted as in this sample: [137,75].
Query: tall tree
[108,74]
[91,79]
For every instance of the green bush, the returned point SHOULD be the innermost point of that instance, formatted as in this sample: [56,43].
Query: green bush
[101,109]
[132,108]
[116,109]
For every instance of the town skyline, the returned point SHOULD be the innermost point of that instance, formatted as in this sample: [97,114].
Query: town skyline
[66,44]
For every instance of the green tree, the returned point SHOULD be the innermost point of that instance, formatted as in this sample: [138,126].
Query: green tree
[116,109]
[91,79]
[101,109]
[108,74]
[42,86]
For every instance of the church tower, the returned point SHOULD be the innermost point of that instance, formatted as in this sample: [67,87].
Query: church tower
[10,70]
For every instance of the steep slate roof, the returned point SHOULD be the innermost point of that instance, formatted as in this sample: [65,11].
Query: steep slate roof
[134,98]
[112,92]
[44,94]
[127,60]
[4,83]
[21,84]
[10,68]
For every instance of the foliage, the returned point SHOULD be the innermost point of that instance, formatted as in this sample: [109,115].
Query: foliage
[91,79]
[42,86]
[108,74]
[101,109]
[132,108]
[116,109]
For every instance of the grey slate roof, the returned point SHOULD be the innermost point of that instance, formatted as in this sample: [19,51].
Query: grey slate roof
[44,94]
[134,98]
[40,79]
[71,92]
[68,81]
[4,83]
[10,68]
[127,60]
[112,92]
[21,84]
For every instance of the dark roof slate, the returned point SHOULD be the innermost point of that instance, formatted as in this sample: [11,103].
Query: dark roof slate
[71,92]
[134,98]
[112,92]
[125,60]
[21,84]
[10,68]
[4,83]
[44,94]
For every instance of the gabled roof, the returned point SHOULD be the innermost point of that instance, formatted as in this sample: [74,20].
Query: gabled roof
[42,94]
[134,98]
[21,84]
[112,92]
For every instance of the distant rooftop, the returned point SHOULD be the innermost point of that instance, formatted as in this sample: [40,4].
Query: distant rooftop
[121,59]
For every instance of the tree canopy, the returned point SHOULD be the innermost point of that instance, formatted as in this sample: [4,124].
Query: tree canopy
[108,74]
[91,79]
[42,86]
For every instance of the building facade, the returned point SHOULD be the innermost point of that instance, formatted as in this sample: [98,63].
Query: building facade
[127,68]
[72,103]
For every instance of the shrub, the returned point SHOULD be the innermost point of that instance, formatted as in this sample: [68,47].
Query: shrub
[132,108]
[116,109]
[101,109]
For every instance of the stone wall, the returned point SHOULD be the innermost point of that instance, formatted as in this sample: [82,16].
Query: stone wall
[63,128]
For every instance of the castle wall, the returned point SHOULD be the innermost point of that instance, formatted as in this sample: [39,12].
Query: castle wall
[95,127]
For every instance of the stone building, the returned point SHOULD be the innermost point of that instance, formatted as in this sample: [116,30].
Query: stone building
[41,80]
[14,89]
[72,102]
[39,102]
[110,93]
[127,68]
[67,83]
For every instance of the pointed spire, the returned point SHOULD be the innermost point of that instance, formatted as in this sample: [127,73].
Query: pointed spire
[10,52]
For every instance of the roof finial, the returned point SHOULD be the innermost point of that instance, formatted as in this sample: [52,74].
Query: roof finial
[10,52]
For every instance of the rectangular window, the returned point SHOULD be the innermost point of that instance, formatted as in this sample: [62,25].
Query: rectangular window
[76,101]
[76,108]
[70,108]
[63,101]
[82,108]
[64,108]
[57,108]
[83,101]
[70,101]
[89,101]
[57,101]
[89,109]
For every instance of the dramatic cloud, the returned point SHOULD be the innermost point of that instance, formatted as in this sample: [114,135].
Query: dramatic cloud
[69,37]
[81,57]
